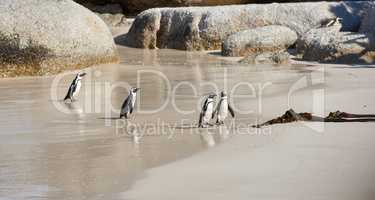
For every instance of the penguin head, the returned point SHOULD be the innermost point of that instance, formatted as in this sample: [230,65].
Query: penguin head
[81,75]
[223,94]
[212,96]
[338,19]
[134,89]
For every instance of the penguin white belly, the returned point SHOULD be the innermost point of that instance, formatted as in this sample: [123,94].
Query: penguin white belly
[134,99]
[78,88]
[223,113]
[207,116]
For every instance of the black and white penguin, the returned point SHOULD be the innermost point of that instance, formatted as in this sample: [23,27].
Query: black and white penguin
[129,103]
[331,22]
[222,109]
[206,112]
[74,88]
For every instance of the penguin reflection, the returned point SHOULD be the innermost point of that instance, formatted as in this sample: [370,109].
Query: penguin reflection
[207,137]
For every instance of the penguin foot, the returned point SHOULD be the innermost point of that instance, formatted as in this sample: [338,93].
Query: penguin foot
[203,126]
[219,123]
[123,116]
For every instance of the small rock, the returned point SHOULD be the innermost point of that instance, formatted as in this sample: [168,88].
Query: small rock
[278,58]
[263,39]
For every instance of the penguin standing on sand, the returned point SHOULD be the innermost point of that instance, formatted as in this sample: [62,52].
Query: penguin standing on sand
[222,109]
[74,88]
[207,110]
[129,103]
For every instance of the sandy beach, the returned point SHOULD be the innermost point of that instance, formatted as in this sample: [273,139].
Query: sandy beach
[83,154]
[295,161]
[222,99]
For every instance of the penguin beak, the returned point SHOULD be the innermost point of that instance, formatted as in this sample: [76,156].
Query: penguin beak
[82,75]
[136,89]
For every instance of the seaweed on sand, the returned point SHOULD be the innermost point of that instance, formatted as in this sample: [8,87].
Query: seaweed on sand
[338,116]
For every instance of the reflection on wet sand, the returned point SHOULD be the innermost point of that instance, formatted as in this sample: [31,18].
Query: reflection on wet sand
[83,153]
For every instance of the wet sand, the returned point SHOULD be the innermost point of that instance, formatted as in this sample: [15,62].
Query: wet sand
[49,154]
[85,153]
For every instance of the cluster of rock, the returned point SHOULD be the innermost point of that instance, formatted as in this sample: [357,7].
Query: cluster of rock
[260,31]
[43,37]
[331,45]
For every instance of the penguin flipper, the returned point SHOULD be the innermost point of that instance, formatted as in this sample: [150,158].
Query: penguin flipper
[125,108]
[231,110]
[200,119]
[67,97]
[213,114]
[217,110]
[71,90]
[69,94]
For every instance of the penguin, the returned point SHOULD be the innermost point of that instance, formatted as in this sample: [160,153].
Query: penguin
[129,103]
[74,88]
[222,109]
[331,22]
[206,112]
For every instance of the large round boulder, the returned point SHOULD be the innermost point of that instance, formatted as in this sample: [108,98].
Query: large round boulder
[42,37]
[263,39]
[204,28]
[330,45]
